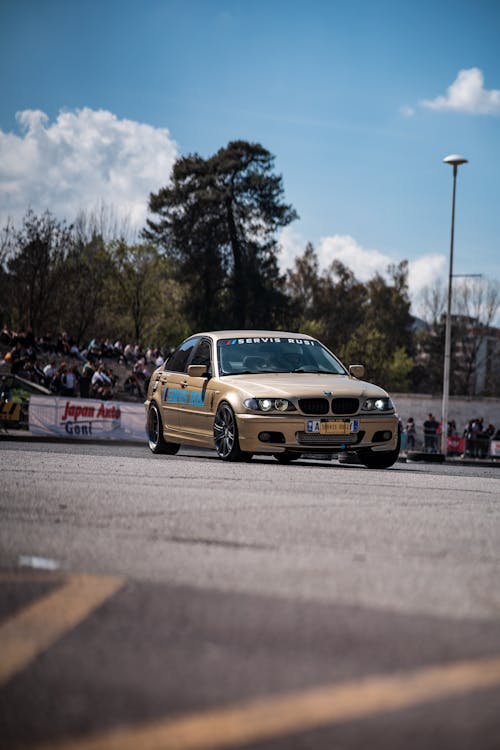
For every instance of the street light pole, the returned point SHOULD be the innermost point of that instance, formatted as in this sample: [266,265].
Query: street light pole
[455,161]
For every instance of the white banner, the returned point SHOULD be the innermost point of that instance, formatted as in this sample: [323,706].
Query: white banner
[495,448]
[86,418]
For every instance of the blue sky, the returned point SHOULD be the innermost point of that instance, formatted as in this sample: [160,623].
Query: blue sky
[353,99]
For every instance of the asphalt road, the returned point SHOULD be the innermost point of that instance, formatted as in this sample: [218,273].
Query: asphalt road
[161,602]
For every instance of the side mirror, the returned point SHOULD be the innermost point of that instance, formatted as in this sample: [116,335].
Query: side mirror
[197,371]
[357,371]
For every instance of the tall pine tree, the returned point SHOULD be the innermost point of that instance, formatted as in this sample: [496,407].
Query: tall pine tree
[217,220]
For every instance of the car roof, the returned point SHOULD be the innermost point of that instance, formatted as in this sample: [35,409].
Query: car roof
[251,333]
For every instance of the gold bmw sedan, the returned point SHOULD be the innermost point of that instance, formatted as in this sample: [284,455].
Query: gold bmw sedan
[268,392]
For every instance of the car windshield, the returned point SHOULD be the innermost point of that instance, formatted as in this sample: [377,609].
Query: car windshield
[252,355]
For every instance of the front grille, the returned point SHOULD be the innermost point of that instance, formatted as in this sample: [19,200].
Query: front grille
[345,405]
[314,405]
[314,438]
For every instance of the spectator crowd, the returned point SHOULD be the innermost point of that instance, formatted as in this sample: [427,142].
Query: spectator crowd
[476,437]
[61,366]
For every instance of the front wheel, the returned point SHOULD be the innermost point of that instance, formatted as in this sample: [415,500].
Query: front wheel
[156,441]
[384,460]
[286,457]
[226,435]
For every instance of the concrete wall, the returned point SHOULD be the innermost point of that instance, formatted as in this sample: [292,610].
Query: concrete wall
[460,409]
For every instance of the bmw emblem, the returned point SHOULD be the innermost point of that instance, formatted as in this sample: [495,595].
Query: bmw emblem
[327,393]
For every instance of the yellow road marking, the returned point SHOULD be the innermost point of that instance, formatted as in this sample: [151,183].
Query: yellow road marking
[36,627]
[278,716]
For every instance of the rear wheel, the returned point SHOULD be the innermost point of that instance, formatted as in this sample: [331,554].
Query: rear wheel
[286,457]
[156,441]
[226,435]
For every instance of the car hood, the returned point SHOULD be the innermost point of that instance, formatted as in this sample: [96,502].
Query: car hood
[284,385]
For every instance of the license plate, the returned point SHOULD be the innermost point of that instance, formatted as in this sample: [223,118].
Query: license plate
[332,427]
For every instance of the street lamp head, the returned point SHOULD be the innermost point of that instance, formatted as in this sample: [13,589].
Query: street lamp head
[455,160]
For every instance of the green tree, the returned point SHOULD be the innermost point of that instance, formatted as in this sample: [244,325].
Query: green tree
[36,271]
[399,371]
[134,287]
[388,306]
[371,347]
[302,285]
[391,368]
[217,221]
[384,340]
[366,323]
[84,304]
[342,304]
[143,298]
[329,305]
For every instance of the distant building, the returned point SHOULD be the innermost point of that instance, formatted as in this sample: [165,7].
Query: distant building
[475,358]
[487,370]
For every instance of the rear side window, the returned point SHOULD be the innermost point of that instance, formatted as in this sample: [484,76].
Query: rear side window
[178,360]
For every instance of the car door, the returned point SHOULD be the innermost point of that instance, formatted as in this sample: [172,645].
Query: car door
[173,384]
[196,413]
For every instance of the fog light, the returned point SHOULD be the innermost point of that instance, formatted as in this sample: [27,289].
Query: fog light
[382,436]
[264,437]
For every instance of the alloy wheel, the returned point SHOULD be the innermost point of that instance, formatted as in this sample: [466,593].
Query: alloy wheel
[224,431]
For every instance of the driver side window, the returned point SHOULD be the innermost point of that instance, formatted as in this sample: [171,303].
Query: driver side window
[203,355]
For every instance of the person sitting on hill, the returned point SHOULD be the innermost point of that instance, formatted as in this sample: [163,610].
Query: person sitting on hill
[102,384]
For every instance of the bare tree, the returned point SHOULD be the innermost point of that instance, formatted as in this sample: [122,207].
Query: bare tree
[478,299]
[432,302]
[5,242]
[475,339]
[104,222]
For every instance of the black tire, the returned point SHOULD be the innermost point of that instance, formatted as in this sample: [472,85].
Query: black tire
[156,441]
[432,458]
[385,460]
[349,457]
[226,435]
[286,457]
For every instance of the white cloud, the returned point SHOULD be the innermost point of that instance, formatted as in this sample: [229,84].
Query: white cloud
[467,94]
[424,271]
[292,244]
[407,111]
[364,263]
[83,159]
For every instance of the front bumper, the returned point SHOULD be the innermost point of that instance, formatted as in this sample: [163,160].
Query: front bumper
[289,432]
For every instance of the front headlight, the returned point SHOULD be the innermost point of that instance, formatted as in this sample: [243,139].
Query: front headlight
[269,404]
[377,404]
